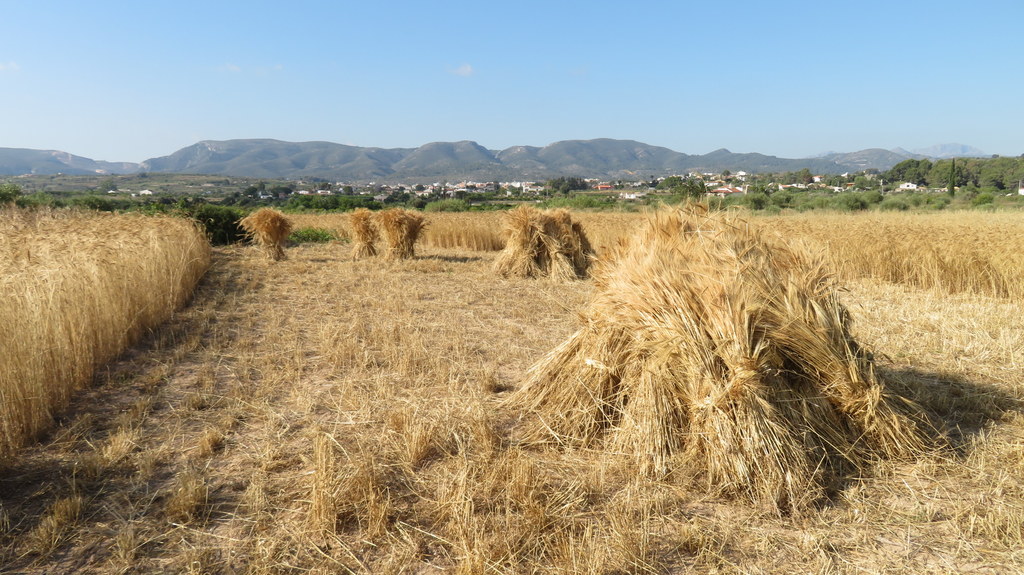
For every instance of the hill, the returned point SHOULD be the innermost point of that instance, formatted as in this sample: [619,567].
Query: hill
[18,161]
[599,158]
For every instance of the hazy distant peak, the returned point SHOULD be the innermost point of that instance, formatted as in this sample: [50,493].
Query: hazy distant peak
[951,151]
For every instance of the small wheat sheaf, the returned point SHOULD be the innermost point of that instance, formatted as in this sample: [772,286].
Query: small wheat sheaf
[269,229]
[364,234]
[401,229]
[544,244]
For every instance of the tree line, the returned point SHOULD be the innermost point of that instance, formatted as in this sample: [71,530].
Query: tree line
[995,174]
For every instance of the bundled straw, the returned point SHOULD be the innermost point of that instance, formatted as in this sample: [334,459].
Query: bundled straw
[401,228]
[709,348]
[544,244]
[269,229]
[364,233]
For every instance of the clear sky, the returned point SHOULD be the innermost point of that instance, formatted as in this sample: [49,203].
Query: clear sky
[128,81]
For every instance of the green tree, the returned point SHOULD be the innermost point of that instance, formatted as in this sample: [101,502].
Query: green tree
[9,193]
[911,170]
[669,183]
[756,201]
[694,188]
[106,185]
[565,185]
[951,178]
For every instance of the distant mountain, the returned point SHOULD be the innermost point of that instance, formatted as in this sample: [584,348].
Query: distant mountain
[18,161]
[454,161]
[943,151]
[600,158]
[873,158]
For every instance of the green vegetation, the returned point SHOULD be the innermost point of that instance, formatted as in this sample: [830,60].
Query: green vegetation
[9,193]
[311,235]
[564,185]
[332,203]
[220,222]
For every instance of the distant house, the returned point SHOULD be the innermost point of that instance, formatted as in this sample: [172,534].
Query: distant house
[633,195]
[908,186]
[725,191]
[604,186]
[145,193]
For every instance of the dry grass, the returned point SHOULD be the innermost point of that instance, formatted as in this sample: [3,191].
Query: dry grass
[269,229]
[78,288]
[544,244]
[402,369]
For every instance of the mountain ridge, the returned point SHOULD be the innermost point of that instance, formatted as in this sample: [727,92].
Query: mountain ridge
[602,158]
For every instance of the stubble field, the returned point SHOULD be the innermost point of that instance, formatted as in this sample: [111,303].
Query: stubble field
[327,415]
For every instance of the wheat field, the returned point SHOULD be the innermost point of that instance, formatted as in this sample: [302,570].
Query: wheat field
[322,414]
[77,288]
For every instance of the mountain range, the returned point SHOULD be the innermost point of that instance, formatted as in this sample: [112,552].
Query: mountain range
[600,158]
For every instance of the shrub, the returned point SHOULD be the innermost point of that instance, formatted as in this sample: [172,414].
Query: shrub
[894,204]
[98,203]
[312,235]
[9,193]
[220,222]
[982,199]
[851,202]
[782,199]
[872,197]
[756,201]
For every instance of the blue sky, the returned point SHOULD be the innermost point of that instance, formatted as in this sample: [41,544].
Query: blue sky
[127,81]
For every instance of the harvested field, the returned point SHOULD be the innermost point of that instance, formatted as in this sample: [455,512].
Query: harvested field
[323,414]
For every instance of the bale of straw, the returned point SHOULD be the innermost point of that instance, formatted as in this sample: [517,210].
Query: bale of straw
[710,350]
[544,244]
[401,229]
[269,229]
[364,233]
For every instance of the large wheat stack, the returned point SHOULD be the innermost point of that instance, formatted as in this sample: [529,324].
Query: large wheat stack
[364,233]
[544,244]
[401,228]
[269,228]
[708,348]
